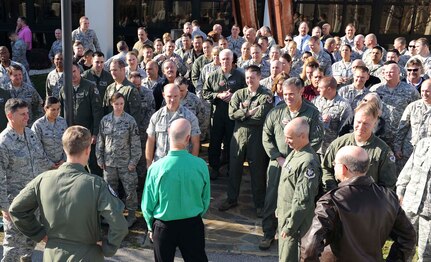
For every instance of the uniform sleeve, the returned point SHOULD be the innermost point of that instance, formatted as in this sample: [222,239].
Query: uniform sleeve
[387,170]
[202,114]
[208,92]
[135,105]
[135,144]
[404,236]
[48,89]
[405,176]
[403,128]
[268,137]
[316,131]
[111,209]
[151,130]
[100,145]
[195,125]
[22,213]
[328,177]
[345,118]
[323,225]
[303,200]
[96,108]
[235,110]
[150,198]
[265,106]
[37,130]
[96,42]
[4,163]
[196,71]
[36,104]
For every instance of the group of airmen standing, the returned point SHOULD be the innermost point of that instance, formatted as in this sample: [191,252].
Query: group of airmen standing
[240,93]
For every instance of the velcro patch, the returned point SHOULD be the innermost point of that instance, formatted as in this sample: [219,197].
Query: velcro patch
[310,173]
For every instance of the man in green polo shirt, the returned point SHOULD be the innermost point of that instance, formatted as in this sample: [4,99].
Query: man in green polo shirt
[176,196]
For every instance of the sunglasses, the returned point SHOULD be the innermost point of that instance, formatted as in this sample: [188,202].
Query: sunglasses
[288,40]
[411,46]
[413,69]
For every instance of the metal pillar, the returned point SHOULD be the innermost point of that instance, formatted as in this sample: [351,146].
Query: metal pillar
[66,28]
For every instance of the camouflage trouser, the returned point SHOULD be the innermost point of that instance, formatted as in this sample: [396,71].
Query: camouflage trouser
[129,180]
[16,246]
[422,226]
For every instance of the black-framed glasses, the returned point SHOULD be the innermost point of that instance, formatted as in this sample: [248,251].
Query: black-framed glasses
[411,46]
[288,40]
[412,69]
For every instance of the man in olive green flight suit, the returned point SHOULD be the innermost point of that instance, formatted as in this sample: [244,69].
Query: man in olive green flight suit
[382,160]
[299,185]
[218,90]
[248,108]
[87,110]
[277,149]
[72,203]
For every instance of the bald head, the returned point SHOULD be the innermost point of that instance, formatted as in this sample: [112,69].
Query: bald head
[358,62]
[355,162]
[179,133]
[296,133]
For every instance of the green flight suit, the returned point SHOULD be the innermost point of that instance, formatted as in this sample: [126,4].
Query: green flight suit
[382,161]
[222,126]
[197,67]
[275,146]
[101,82]
[247,142]
[299,185]
[71,202]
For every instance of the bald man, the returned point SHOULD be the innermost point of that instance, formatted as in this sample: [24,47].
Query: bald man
[299,183]
[275,69]
[357,217]
[176,196]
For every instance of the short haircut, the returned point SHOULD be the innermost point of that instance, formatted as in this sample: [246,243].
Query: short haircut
[395,51]
[133,52]
[181,80]
[13,104]
[378,48]
[423,41]
[208,41]
[329,81]
[370,109]
[143,28]
[390,62]
[166,62]
[263,38]
[253,68]
[195,23]
[88,52]
[362,69]
[354,164]
[179,134]
[14,67]
[116,96]
[146,46]
[347,45]
[294,81]
[198,37]
[287,57]
[228,52]
[256,46]
[119,62]
[122,45]
[51,100]
[186,35]
[77,43]
[75,140]
[98,54]
[402,40]
[315,39]
[414,61]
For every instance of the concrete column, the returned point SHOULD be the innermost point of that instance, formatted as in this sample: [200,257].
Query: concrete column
[101,15]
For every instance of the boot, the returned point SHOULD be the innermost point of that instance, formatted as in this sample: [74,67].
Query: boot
[131,218]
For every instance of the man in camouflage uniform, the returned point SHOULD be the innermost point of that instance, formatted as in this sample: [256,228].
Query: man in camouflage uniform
[170,55]
[21,159]
[132,103]
[275,69]
[413,192]
[256,59]
[248,108]
[235,41]
[414,125]
[395,95]
[189,53]
[153,78]
[148,106]
[277,150]
[158,140]
[423,53]
[85,35]
[355,92]
[19,50]
[57,45]
[382,168]
[320,55]
[299,185]
[87,109]
[118,151]
[201,61]
[392,55]
[19,89]
[55,78]
[334,109]
[218,90]
[98,75]
[5,63]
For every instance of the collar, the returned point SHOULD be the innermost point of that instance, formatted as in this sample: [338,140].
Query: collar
[178,152]
[357,181]
[78,167]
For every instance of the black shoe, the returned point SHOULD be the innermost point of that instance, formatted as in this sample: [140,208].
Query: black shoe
[227,204]
[265,243]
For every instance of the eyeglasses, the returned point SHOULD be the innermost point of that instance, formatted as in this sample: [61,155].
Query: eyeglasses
[288,40]
[411,46]
[413,69]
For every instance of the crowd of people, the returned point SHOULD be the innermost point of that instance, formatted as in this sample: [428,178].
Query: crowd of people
[336,132]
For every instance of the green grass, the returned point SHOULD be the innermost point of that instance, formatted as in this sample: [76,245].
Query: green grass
[39,83]
[387,248]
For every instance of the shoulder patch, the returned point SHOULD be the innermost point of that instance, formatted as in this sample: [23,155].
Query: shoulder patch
[112,191]
[96,91]
[309,173]
[269,99]
[392,157]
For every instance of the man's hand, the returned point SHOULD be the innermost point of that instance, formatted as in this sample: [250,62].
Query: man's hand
[251,112]
[45,239]
[6,215]
[150,235]
[99,243]
[281,160]
[283,234]
[102,166]
[326,118]
[401,200]
[131,168]
[93,139]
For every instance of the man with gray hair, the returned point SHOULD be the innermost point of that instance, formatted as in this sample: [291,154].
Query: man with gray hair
[356,218]
[176,196]
[299,185]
